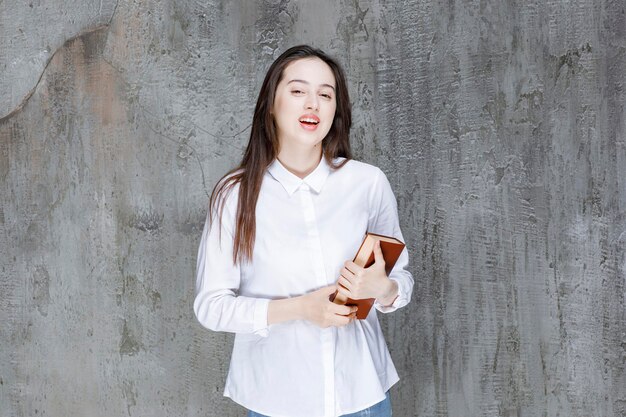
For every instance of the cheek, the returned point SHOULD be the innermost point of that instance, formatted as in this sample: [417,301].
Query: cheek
[276,106]
[279,113]
[330,114]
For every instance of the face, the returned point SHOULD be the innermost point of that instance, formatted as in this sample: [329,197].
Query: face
[304,104]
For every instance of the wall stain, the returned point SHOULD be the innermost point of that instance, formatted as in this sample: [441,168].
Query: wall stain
[102,29]
[192,225]
[135,293]
[41,289]
[146,221]
[129,391]
[355,23]
[130,344]
[496,108]
[570,60]
[275,22]
[528,108]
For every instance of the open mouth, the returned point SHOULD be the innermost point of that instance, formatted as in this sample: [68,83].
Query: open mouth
[309,122]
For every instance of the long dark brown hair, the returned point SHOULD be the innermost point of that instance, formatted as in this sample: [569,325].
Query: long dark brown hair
[263,147]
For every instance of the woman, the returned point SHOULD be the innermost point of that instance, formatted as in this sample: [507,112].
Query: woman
[279,231]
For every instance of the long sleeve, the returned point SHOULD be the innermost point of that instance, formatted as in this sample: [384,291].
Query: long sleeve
[303,237]
[217,305]
[384,220]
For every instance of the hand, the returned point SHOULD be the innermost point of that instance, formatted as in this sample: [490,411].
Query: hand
[318,309]
[358,283]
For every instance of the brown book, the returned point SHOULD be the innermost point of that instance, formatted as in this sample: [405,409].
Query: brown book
[391,248]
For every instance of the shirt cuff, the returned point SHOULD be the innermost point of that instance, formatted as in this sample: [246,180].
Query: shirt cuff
[400,301]
[260,327]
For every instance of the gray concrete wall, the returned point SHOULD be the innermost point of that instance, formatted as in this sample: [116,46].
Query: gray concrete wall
[499,124]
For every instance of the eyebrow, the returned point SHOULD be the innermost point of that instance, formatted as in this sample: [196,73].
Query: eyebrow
[308,83]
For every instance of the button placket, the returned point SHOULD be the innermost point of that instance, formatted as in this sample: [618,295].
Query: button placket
[328,334]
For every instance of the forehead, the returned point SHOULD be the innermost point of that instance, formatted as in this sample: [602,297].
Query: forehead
[312,70]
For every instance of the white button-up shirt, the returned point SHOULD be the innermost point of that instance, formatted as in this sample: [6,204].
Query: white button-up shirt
[305,230]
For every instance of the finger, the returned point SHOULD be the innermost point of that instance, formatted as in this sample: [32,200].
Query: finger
[352,267]
[346,273]
[347,319]
[345,292]
[345,282]
[378,254]
[343,310]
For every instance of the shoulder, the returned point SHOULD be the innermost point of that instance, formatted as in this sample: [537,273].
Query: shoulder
[227,190]
[358,169]
[355,166]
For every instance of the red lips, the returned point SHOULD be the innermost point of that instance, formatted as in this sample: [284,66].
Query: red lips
[309,121]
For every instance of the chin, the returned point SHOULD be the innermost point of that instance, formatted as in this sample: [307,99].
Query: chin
[310,140]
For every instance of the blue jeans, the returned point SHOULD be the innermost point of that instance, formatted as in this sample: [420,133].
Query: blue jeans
[382,409]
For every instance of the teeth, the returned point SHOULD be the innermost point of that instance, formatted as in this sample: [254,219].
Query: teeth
[308,120]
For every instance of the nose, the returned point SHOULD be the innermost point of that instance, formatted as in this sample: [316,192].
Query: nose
[312,103]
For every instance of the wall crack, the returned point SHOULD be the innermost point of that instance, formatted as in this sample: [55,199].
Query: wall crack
[30,93]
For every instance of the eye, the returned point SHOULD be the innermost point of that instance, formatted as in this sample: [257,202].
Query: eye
[297,92]
[326,96]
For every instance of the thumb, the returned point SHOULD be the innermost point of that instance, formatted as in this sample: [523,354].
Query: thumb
[378,254]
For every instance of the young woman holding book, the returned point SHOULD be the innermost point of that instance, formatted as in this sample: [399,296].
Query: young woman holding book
[280,232]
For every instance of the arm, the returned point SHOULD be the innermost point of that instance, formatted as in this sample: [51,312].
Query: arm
[393,291]
[314,307]
[218,307]
[384,220]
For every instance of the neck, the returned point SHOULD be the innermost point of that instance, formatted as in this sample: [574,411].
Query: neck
[301,162]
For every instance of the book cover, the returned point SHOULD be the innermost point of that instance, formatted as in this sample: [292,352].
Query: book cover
[391,249]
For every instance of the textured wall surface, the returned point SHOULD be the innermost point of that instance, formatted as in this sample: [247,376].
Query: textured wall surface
[501,126]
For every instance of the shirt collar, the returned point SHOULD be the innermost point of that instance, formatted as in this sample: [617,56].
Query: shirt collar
[292,182]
